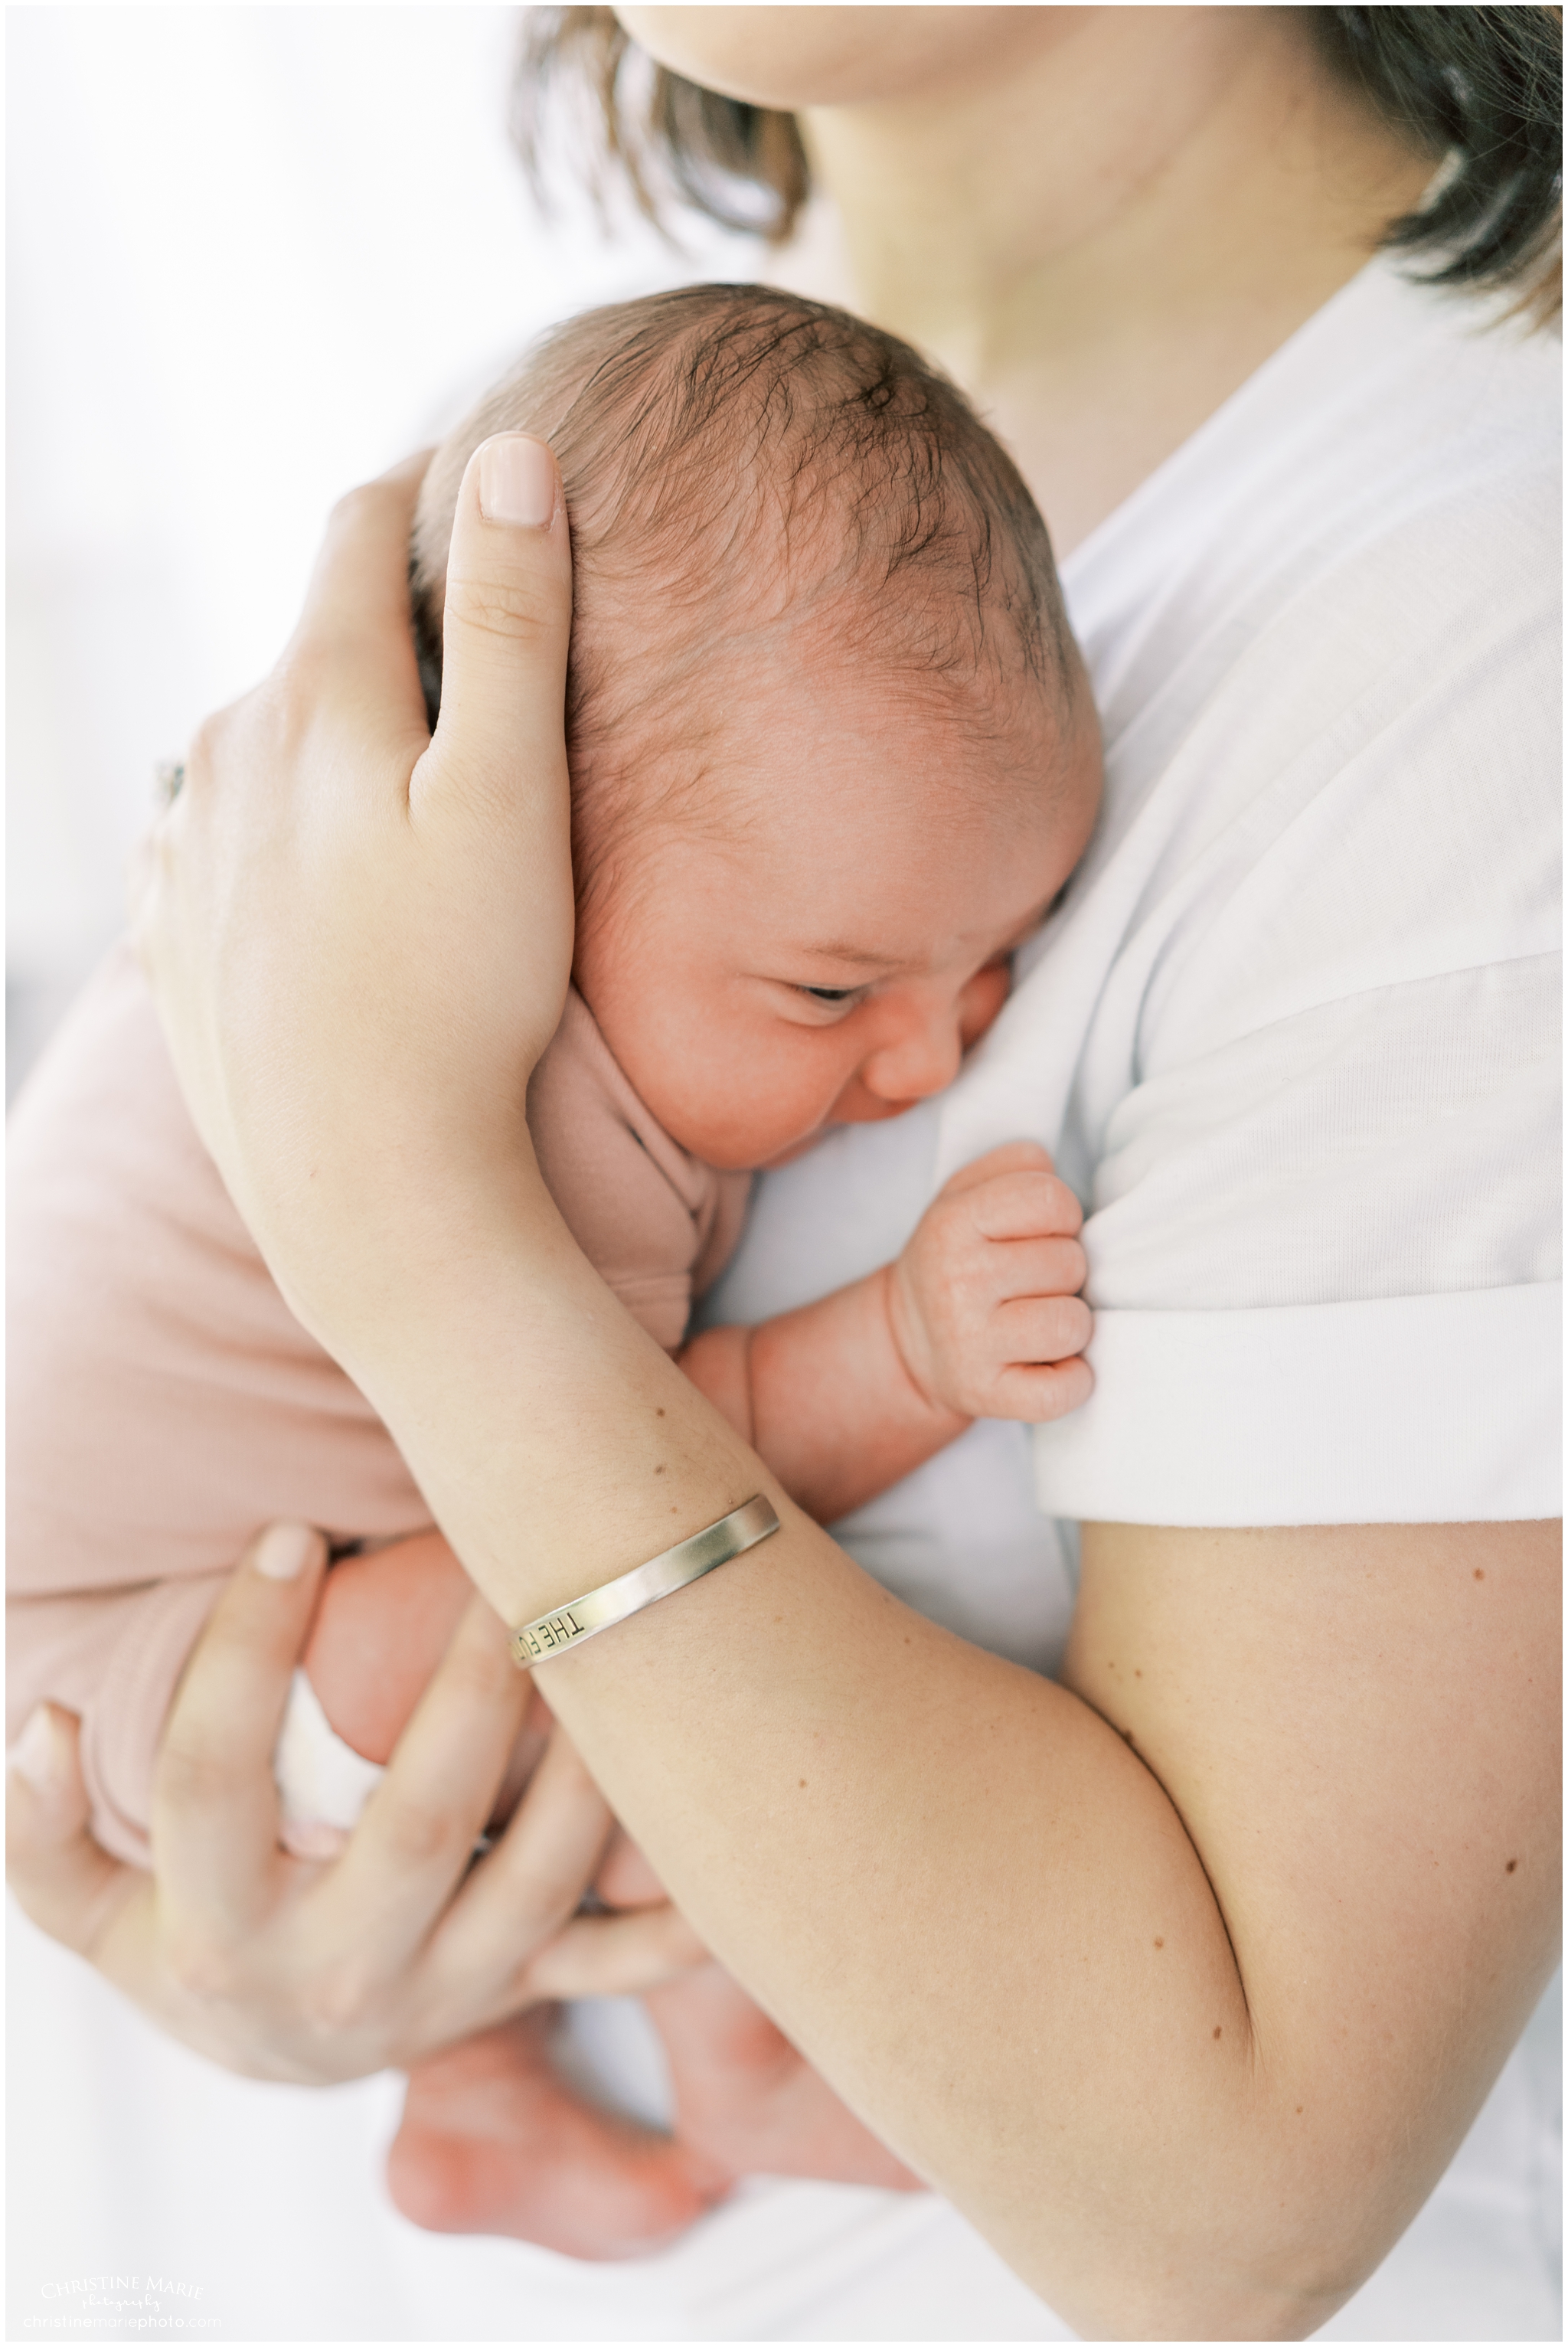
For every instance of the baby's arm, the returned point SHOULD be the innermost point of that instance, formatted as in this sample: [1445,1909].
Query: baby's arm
[978,1317]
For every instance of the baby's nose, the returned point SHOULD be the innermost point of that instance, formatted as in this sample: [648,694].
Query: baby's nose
[921,1059]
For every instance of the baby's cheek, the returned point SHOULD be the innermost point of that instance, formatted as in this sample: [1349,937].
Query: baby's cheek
[980,1001]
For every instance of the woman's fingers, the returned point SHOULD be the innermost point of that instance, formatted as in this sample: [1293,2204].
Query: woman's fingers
[615,1955]
[523,1901]
[417,1837]
[78,1894]
[61,1878]
[355,615]
[504,637]
[215,1806]
[533,1881]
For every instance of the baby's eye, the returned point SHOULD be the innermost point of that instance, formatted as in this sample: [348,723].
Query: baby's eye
[830,993]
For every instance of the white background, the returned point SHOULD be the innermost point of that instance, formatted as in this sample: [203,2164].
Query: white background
[255,254]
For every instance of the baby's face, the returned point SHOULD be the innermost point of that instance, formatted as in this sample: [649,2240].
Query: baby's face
[832,955]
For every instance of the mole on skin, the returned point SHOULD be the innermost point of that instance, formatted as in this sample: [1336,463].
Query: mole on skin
[1510,1867]
[1217,2033]
[1159,1944]
[1479,1574]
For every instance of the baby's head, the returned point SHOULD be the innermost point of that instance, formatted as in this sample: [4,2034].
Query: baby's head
[832,750]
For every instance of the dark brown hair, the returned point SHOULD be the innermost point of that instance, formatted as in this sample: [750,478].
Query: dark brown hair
[738,460]
[1481,85]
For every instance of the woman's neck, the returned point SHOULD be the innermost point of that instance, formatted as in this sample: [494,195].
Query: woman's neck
[1112,226]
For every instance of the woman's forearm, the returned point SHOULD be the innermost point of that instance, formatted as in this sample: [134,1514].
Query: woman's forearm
[949,1880]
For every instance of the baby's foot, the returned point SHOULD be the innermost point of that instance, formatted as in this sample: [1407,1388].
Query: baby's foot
[493,2141]
[747,2099]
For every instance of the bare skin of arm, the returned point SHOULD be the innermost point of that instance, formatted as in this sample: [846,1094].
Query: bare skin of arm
[1155,1974]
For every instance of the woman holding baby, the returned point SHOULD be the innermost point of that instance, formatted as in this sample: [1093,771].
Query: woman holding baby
[1181,1973]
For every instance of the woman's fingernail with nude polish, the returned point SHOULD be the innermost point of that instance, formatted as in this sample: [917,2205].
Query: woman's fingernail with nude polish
[283,1550]
[516,481]
[39,1755]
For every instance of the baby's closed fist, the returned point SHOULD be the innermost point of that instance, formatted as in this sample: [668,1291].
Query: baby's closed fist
[984,1299]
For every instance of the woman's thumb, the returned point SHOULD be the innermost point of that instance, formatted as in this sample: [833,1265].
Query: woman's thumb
[508,624]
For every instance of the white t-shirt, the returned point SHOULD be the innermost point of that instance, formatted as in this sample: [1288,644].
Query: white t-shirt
[1293,1034]
[1286,1037]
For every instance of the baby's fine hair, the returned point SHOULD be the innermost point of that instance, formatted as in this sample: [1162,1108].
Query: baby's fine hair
[742,464]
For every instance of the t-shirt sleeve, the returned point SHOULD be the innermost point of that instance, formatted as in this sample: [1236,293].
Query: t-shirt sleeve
[1318,1140]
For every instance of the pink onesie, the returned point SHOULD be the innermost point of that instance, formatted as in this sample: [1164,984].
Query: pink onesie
[164,1401]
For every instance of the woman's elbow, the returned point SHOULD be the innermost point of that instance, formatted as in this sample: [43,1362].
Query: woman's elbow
[1267,2246]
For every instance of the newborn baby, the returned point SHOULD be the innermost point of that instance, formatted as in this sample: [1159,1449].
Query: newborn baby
[832,758]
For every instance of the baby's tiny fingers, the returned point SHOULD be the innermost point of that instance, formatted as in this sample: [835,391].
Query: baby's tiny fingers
[1010,1157]
[1025,1206]
[1040,1392]
[1034,1328]
[1037,1267]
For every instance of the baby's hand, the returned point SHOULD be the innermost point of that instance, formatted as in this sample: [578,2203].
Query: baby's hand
[984,1299]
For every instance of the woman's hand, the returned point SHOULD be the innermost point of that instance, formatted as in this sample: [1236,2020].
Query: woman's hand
[298,906]
[284,1968]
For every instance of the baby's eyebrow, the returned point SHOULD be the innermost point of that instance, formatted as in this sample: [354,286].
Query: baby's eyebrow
[854,953]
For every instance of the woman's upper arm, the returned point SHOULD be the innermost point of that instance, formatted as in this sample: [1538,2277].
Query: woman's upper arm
[1359,1727]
